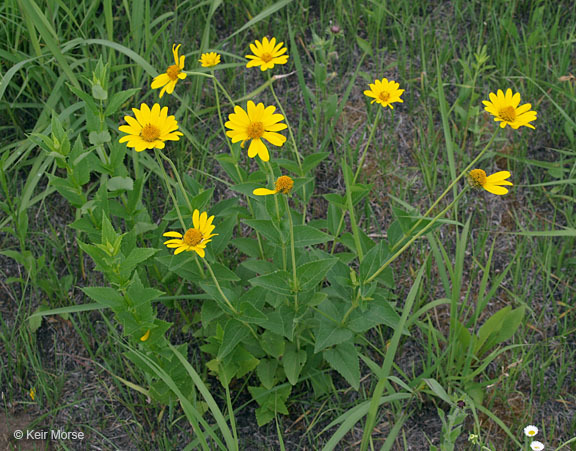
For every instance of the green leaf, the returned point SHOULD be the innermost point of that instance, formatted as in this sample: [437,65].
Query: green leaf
[120,183]
[336,200]
[266,371]
[344,359]
[373,260]
[272,343]
[330,333]
[250,314]
[293,362]
[280,321]
[109,235]
[364,45]
[137,256]
[223,273]
[68,190]
[311,161]
[266,228]
[246,188]
[264,416]
[311,274]
[180,265]
[98,92]
[376,314]
[105,296]
[305,235]
[141,295]
[210,311]
[277,282]
[499,328]
[258,266]
[35,321]
[118,99]
[248,246]
[225,229]
[263,14]
[234,333]
[438,390]
[99,138]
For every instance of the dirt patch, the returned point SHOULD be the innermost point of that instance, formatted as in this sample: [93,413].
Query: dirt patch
[12,427]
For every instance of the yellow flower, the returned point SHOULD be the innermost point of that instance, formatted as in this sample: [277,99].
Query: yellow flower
[210,59]
[385,92]
[530,431]
[172,75]
[32,394]
[492,183]
[150,128]
[194,239]
[146,336]
[284,185]
[267,54]
[257,123]
[505,109]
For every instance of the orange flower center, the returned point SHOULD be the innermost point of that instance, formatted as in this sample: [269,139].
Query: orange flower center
[284,184]
[507,114]
[150,133]
[266,57]
[193,237]
[255,130]
[477,178]
[173,72]
[384,96]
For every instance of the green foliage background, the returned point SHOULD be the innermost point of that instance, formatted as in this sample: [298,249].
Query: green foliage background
[82,218]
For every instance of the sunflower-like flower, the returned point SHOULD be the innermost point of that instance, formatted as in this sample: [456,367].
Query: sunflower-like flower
[256,123]
[530,431]
[267,54]
[493,183]
[505,109]
[385,92]
[167,81]
[196,238]
[210,59]
[284,185]
[150,128]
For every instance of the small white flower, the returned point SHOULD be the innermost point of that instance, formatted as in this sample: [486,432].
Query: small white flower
[530,431]
[537,446]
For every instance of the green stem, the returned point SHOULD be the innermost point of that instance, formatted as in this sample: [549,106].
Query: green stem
[293,252]
[178,179]
[353,224]
[449,188]
[415,237]
[295,150]
[231,148]
[352,308]
[370,137]
[360,165]
[295,147]
[231,414]
[389,361]
[170,192]
[213,77]
[278,218]
[230,306]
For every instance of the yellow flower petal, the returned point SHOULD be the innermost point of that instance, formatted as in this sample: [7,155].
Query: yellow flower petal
[263,192]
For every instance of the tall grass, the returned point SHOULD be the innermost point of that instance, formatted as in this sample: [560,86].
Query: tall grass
[516,251]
